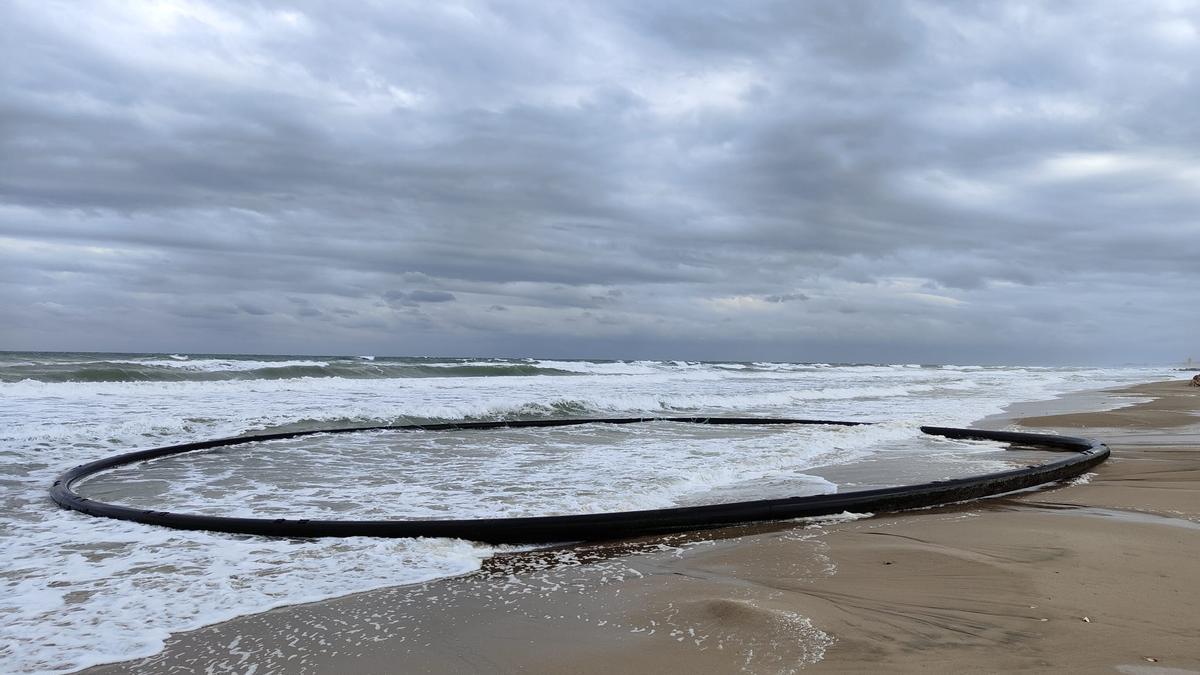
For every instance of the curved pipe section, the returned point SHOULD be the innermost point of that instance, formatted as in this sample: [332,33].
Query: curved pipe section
[1085,454]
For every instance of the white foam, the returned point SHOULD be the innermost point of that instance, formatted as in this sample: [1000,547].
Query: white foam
[506,473]
[217,365]
[817,522]
[605,368]
[1082,479]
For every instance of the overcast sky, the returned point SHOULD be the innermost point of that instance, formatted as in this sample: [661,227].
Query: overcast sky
[814,181]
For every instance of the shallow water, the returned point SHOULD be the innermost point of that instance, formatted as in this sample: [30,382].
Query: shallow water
[507,473]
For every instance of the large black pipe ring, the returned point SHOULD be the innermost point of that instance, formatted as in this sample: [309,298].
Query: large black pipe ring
[600,526]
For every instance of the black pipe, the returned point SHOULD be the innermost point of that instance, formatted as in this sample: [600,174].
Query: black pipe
[599,526]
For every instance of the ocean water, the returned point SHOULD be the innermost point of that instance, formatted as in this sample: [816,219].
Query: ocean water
[79,590]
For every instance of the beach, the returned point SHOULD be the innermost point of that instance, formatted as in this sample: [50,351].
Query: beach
[1094,576]
[350,337]
[84,591]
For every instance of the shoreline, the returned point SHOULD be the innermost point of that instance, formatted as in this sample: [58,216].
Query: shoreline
[1090,577]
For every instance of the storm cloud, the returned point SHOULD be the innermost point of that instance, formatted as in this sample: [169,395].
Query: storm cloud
[853,181]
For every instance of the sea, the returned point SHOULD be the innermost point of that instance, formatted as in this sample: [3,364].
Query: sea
[79,591]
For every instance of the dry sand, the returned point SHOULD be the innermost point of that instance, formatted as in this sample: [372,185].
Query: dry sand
[1095,577]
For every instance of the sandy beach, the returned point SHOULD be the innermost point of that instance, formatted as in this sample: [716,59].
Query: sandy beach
[1096,576]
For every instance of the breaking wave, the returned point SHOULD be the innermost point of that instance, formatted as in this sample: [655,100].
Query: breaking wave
[209,370]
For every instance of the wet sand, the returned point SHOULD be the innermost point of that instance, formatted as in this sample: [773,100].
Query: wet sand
[1096,577]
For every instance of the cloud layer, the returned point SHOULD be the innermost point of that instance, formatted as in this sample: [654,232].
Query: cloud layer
[862,181]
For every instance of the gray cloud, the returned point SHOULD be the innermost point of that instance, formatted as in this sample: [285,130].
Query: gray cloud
[254,310]
[786,297]
[418,296]
[877,181]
